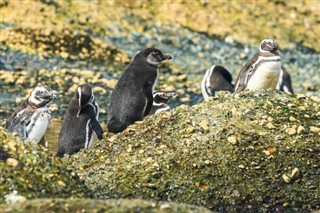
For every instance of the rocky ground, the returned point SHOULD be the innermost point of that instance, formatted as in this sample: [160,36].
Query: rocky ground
[268,139]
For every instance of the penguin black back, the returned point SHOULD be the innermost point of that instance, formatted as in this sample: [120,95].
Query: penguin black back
[284,83]
[80,121]
[132,97]
[216,78]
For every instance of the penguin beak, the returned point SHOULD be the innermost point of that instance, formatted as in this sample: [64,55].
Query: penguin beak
[51,95]
[166,57]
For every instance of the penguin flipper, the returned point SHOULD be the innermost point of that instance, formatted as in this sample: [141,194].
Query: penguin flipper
[245,74]
[147,90]
[19,124]
[96,128]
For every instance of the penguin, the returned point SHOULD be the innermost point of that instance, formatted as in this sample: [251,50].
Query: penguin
[80,121]
[160,102]
[32,118]
[216,78]
[132,97]
[4,155]
[284,83]
[263,70]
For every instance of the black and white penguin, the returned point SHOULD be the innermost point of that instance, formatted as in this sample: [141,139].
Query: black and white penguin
[216,78]
[263,70]
[160,102]
[132,97]
[31,119]
[80,121]
[284,83]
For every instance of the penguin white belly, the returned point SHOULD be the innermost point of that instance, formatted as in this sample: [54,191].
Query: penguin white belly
[38,125]
[266,76]
[162,110]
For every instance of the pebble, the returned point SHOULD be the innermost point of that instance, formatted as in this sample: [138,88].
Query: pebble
[232,140]
[314,129]
[291,130]
[300,130]
[12,162]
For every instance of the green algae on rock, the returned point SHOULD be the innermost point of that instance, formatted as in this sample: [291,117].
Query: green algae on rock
[34,173]
[111,205]
[232,153]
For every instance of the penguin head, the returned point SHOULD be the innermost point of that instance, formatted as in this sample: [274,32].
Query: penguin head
[162,97]
[153,56]
[85,96]
[269,45]
[41,95]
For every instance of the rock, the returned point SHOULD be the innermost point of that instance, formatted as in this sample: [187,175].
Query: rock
[232,140]
[183,163]
[96,205]
[300,130]
[12,162]
[292,130]
[34,173]
[314,129]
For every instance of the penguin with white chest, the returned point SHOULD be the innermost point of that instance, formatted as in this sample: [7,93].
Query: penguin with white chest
[263,70]
[217,78]
[132,97]
[32,118]
[80,121]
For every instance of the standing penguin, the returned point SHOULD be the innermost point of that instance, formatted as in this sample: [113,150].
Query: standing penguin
[284,83]
[160,102]
[263,70]
[80,121]
[216,78]
[31,119]
[132,97]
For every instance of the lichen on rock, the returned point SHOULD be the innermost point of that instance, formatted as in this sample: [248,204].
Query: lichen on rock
[32,172]
[173,156]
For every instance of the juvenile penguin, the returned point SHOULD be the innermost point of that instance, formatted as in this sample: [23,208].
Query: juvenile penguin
[216,78]
[160,102]
[284,83]
[132,97]
[31,119]
[263,70]
[80,121]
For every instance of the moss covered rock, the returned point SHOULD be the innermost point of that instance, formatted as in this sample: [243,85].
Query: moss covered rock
[32,172]
[112,205]
[236,152]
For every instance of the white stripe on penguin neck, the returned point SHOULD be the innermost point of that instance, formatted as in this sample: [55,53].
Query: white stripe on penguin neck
[205,83]
[79,100]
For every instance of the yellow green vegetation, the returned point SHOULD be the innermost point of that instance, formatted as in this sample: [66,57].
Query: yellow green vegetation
[236,152]
[239,152]
[291,22]
[245,21]
[33,172]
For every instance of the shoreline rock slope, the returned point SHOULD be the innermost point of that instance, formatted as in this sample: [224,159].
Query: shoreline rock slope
[247,151]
